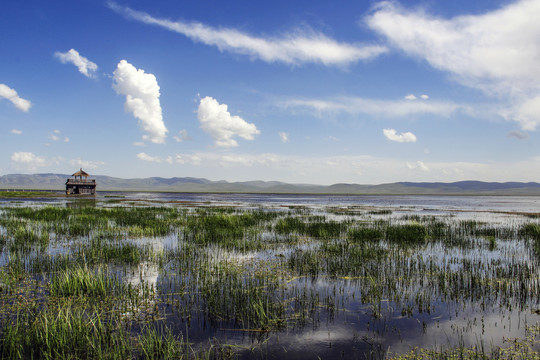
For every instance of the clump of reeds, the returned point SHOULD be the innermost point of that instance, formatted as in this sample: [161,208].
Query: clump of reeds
[63,332]
[81,281]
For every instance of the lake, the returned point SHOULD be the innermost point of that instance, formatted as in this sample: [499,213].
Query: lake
[284,276]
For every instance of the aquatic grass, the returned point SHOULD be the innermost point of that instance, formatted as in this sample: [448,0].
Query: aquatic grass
[407,234]
[81,281]
[260,273]
[315,226]
[531,230]
[63,332]
[516,349]
[230,230]
[364,234]
[160,344]
[25,238]
[98,251]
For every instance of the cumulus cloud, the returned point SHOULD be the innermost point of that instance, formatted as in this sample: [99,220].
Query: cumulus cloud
[16,131]
[182,136]
[284,137]
[424,97]
[142,99]
[85,66]
[10,94]
[391,134]
[221,125]
[420,166]
[386,108]
[155,159]
[501,60]
[296,47]
[27,161]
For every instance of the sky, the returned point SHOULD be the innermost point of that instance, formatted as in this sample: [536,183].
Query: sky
[311,92]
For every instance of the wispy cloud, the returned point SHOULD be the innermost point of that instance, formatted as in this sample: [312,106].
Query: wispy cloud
[392,135]
[360,169]
[417,166]
[56,136]
[10,94]
[284,137]
[142,99]
[16,131]
[296,47]
[85,66]
[385,108]
[155,159]
[86,164]
[518,135]
[182,136]
[502,61]
[216,120]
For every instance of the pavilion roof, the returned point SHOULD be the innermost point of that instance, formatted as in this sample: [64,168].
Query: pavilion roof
[81,173]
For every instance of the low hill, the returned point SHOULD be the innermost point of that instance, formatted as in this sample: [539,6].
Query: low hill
[189,184]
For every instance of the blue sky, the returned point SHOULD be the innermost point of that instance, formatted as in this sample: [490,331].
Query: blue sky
[318,92]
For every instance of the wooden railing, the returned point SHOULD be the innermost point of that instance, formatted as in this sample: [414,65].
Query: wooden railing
[80,182]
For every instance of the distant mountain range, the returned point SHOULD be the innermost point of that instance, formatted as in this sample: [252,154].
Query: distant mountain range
[188,184]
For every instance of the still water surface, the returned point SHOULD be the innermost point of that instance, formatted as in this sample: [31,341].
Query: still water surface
[354,327]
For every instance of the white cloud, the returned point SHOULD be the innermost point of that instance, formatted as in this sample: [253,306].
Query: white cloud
[142,99]
[496,52]
[218,122]
[156,159]
[296,47]
[85,66]
[417,166]
[386,108]
[138,143]
[333,138]
[413,97]
[8,93]
[86,164]
[27,161]
[182,136]
[391,134]
[16,132]
[55,136]
[359,169]
[188,159]
[527,113]
[284,137]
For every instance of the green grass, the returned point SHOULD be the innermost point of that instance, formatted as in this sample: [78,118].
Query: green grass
[257,271]
[62,332]
[27,194]
[84,282]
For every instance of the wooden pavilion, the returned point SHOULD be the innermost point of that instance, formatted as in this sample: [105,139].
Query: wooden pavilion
[80,186]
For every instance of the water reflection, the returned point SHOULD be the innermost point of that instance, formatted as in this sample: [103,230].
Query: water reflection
[396,304]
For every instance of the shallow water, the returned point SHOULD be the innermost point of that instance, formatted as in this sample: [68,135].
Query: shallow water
[346,321]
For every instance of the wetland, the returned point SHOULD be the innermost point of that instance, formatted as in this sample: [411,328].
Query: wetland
[240,276]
